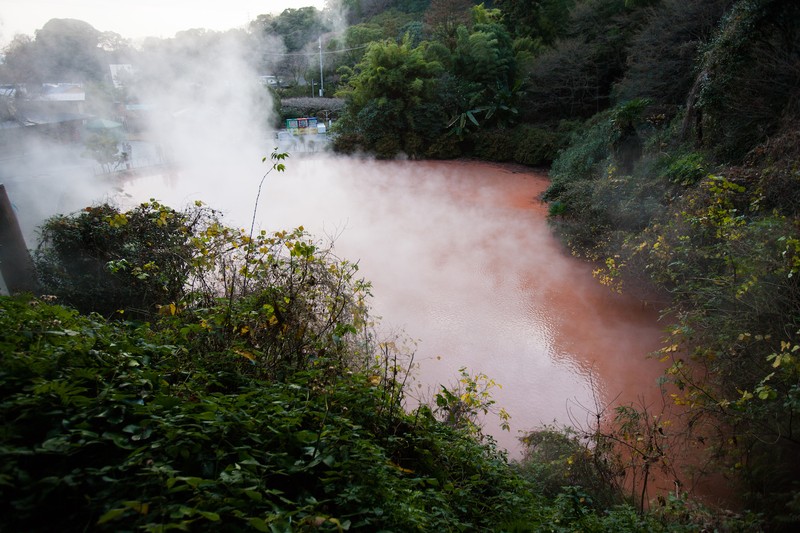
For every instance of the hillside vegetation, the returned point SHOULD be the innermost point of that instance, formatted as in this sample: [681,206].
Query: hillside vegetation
[689,183]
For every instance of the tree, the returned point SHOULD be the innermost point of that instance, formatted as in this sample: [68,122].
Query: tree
[357,11]
[575,78]
[102,147]
[662,55]
[563,82]
[546,20]
[117,48]
[749,75]
[68,50]
[20,64]
[391,100]
[297,27]
[445,16]
[64,50]
[484,65]
[485,55]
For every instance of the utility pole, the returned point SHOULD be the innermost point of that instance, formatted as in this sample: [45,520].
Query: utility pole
[321,81]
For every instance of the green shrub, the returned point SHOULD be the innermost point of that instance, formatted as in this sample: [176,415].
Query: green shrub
[537,146]
[443,147]
[345,142]
[101,260]
[386,147]
[586,155]
[494,144]
[526,144]
[557,458]
[283,293]
[112,427]
[686,169]
[556,208]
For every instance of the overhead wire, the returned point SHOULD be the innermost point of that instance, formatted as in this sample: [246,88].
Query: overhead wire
[324,52]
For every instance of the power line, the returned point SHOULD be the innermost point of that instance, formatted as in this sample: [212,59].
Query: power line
[315,53]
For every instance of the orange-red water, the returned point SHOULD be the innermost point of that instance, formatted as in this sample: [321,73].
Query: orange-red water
[462,260]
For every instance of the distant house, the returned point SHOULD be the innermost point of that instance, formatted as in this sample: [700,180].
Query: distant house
[56,110]
[52,110]
[59,97]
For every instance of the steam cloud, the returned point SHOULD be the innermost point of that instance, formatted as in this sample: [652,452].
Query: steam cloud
[460,254]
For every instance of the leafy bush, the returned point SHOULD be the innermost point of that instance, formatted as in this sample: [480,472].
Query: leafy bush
[583,159]
[527,144]
[537,146]
[285,296]
[555,458]
[101,260]
[443,147]
[112,426]
[494,144]
[107,427]
[346,142]
[686,169]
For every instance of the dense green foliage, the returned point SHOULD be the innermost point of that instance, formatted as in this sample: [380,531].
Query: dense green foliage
[256,402]
[389,107]
[507,69]
[460,74]
[693,191]
[103,261]
[526,144]
[112,426]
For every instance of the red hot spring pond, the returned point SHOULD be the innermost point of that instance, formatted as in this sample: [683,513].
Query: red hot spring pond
[463,262]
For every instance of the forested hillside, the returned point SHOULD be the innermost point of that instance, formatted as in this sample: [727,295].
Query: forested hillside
[689,181]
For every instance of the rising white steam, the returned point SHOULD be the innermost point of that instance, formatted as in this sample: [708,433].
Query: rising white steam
[210,115]
[460,254]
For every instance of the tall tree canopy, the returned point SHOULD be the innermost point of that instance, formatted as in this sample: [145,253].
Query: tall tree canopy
[297,27]
[391,99]
[64,50]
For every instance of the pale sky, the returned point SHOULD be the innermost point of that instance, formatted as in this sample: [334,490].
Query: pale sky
[135,19]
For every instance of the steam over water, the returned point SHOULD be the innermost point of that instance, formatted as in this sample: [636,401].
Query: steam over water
[463,261]
[460,254]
